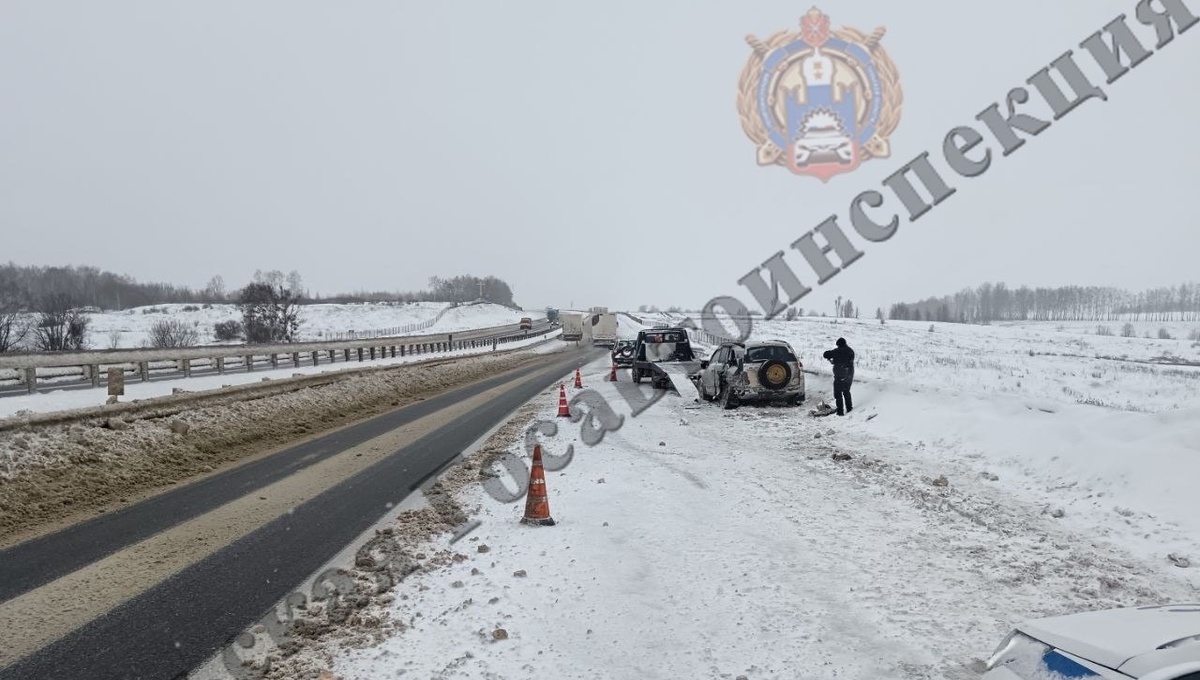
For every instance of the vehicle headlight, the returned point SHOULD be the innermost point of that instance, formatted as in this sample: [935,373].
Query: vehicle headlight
[1015,647]
[1030,658]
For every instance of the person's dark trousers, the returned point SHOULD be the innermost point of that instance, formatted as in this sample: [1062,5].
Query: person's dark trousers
[841,393]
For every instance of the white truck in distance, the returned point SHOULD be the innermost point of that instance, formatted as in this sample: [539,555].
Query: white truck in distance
[572,327]
[604,329]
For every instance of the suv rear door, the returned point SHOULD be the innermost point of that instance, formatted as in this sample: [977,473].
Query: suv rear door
[710,376]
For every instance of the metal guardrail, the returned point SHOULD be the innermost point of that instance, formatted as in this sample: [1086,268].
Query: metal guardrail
[174,403]
[221,358]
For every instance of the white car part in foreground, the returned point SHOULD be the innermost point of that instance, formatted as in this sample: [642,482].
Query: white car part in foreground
[1148,643]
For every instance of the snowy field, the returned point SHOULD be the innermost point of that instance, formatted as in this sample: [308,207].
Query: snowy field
[1088,424]
[131,327]
[987,475]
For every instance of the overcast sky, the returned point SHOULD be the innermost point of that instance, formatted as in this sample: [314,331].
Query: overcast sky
[585,152]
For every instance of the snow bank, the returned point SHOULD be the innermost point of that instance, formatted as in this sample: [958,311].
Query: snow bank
[1084,424]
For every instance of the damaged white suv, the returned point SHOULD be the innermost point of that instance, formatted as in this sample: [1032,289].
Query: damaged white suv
[756,371]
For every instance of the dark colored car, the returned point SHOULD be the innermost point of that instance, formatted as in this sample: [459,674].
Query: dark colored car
[657,347]
[622,353]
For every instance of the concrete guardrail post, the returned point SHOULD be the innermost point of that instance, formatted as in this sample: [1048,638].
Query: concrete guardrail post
[347,351]
[360,354]
[274,360]
[94,374]
[144,370]
[249,361]
[219,364]
[372,353]
[31,379]
[316,358]
[185,367]
[296,359]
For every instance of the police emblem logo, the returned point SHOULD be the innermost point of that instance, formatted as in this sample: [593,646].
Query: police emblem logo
[819,101]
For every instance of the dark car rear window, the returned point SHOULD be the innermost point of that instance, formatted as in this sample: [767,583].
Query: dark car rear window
[769,353]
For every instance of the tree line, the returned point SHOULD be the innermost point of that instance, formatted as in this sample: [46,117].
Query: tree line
[26,288]
[48,308]
[998,302]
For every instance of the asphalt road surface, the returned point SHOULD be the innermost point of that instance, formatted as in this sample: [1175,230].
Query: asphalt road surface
[167,628]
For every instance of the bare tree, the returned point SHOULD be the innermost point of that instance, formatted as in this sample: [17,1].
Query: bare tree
[215,290]
[60,327]
[14,325]
[295,283]
[272,278]
[847,309]
[13,329]
[168,333]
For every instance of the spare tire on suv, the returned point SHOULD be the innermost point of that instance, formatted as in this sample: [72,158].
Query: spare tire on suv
[774,374]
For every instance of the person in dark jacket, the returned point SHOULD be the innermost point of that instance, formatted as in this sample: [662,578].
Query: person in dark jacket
[842,358]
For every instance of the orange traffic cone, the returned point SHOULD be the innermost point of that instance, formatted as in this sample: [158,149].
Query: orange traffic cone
[537,503]
[612,377]
[564,410]
[578,379]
